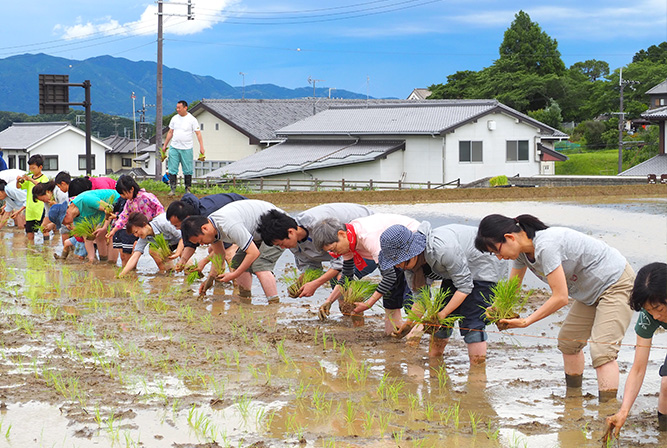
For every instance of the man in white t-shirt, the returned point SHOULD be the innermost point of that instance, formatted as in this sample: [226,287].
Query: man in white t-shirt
[181,128]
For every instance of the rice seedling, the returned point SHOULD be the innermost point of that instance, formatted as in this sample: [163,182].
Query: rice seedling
[441,374]
[296,280]
[367,423]
[490,433]
[160,247]
[426,306]
[506,301]
[218,263]
[383,423]
[163,154]
[243,405]
[86,227]
[107,206]
[456,409]
[355,291]
[474,421]
[193,276]
[350,411]
[429,410]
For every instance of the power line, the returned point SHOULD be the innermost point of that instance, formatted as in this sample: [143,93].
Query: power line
[299,11]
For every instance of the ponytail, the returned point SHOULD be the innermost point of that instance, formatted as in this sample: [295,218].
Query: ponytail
[493,228]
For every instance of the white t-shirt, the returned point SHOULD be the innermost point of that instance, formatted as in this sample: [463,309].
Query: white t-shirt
[238,221]
[183,128]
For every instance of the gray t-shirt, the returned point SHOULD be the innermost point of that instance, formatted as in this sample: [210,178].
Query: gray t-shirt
[305,253]
[451,253]
[238,221]
[160,225]
[590,265]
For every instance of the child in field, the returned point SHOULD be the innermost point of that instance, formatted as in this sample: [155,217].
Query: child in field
[280,229]
[649,297]
[34,211]
[137,200]
[63,180]
[447,253]
[94,205]
[14,204]
[50,194]
[81,184]
[139,226]
[360,239]
[574,265]
[74,244]
[237,223]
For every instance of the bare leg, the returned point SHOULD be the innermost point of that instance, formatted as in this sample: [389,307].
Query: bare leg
[608,378]
[124,258]
[245,281]
[662,398]
[102,246]
[574,364]
[268,282]
[392,320]
[31,237]
[436,348]
[90,248]
[477,352]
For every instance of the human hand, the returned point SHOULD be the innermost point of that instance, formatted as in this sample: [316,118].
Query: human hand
[226,277]
[99,232]
[308,289]
[361,307]
[512,323]
[403,331]
[323,312]
[613,426]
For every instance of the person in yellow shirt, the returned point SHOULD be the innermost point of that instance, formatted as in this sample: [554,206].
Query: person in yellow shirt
[34,210]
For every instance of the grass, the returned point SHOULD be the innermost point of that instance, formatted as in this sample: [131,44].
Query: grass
[296,280]
[160,246]
[507,301]
[426,306]
[85,227]
[594,163]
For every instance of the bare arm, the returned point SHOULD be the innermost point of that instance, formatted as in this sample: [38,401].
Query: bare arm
[201,142]
[131,263]
[251,254]
[167,139]
[308,289]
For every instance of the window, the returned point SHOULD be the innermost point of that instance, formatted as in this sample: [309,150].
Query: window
[82,162]
[517,150]
[11,162]
[201,126]
[126,162]
[470,151]
[50,163]
[22,164]
[217,126]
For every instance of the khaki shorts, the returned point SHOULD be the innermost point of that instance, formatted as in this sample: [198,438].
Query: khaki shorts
[268,256]
[605,322]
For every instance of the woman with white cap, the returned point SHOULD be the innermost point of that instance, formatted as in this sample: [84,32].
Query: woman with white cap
[449,253]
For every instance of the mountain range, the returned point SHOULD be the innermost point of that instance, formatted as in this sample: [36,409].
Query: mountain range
[114,79]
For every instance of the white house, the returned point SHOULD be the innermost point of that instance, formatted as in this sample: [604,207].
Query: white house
[128,155]
[418,141]
[62,145]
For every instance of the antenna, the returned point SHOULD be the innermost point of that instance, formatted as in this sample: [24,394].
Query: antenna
[243,74]
[313,82]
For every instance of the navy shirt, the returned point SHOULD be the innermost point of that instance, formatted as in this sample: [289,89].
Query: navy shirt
[209,204]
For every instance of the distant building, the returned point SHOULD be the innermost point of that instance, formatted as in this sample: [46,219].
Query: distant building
[419,94]
[415,141]
[62,145]
[124,157]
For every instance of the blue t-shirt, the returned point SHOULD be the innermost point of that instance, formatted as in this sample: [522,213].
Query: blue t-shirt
[646,325]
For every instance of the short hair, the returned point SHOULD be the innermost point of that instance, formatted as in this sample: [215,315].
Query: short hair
[183,103]
[3,184]
[181,210]
[37,159]
[126,183]
[41,189]
[63,176]
[650,286]
[79,185]
[493,228]
[325,232]
[192,225]
[274,225]
[136,219]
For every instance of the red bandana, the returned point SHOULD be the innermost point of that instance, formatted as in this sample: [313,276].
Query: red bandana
[359,261]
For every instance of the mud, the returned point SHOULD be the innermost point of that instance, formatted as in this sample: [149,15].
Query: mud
[91,360]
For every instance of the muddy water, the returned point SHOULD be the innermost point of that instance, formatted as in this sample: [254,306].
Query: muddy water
[90,360]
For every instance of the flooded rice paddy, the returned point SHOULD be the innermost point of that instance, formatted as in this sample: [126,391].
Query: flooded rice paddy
[89,360]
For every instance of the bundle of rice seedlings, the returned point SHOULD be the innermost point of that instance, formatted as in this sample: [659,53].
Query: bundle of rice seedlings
[107,206]
[218,262]
[507,301]
[355,291]
[160,246]
[85,227]
[163,154]
[425,308]
[296,280]
[193,276]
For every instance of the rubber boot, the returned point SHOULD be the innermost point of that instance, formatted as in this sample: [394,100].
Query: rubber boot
[188,182]
[607,395]
[172,184]
[662,422]
[573,381]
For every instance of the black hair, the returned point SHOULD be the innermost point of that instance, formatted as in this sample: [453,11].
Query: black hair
[181,210]
[3,184]
[184,103]
[126,183]
[136,219]
[41,189]
[493,228]
[63,176]
[274,225]
[191,226]
[79,185]
[37,159]
[650,286]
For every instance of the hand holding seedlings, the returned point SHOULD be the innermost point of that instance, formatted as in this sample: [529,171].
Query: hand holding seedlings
[323,312]
[361,307]
[614,424]
[403,331]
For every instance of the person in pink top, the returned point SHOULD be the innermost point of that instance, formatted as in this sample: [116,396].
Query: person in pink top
[80,184]
[359,239]
[102,183]
[137,200]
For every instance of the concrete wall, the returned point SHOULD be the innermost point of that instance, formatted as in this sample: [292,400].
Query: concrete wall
[225,143]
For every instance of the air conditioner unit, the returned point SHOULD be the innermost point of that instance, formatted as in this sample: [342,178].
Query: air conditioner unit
[491,124]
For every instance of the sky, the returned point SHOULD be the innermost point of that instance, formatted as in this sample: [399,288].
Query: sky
[383,48]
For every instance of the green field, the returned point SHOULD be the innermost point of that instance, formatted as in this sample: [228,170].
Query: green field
[594,163]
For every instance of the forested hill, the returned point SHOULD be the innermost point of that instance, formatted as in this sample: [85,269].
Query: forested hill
[114,79]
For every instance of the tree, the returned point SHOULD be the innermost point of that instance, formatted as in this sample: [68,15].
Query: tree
[550,116]
[654,53]
[592,68]
[529,48]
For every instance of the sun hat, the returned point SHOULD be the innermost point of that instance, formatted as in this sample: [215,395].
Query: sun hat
[57,214]
[399,244]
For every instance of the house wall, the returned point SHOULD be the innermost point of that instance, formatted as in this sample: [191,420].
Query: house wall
[67,146]
[225,144]
[494,143]
[115,162]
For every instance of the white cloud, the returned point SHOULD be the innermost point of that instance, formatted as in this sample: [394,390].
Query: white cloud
[207,13]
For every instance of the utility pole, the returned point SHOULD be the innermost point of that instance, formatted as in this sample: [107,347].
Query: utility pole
[313,82]
[134,125]
[158,97]
[243,95]
[621,118]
